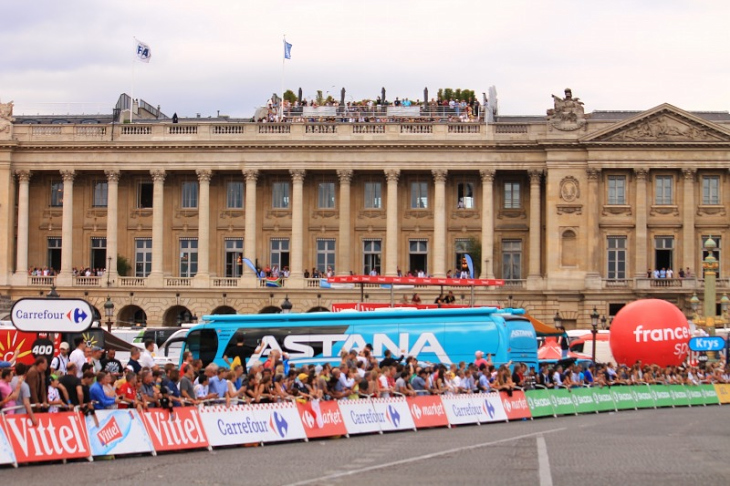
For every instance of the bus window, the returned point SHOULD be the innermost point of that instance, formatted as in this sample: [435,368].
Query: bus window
[203,344]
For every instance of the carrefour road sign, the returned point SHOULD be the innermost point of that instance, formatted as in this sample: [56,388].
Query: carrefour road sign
[52,315]
[709,343]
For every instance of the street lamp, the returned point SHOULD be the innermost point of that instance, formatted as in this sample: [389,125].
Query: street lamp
[286,306]
[694,302]
[603,322]
[594,331]
[109,312]
[53,294]
[558,320]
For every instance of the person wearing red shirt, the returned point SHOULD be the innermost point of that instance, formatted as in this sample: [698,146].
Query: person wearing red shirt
[128,391]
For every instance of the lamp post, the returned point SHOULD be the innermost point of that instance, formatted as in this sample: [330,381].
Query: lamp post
[109,312]
[558,320]
[594,331]
[53,294]
[286,306]
[603,322]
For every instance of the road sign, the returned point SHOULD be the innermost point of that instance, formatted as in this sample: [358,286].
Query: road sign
[52,315]
[708,343]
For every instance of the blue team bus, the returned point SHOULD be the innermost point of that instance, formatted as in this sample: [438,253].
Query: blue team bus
[433,336]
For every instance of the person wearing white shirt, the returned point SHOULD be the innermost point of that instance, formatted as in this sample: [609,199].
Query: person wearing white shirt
[146,359]
[78,356]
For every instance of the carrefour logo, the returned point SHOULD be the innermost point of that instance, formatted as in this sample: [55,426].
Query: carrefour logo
[416,411]
[489,409]
[278,424]
[393,416]
[51,315]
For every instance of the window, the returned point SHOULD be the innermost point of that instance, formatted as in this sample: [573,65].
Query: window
[616,189]
[234,195]
[716,252]
[56,194]
[418,257]
[98,253]
[234,257]
[326,195]
[188,257]
[54,254]
[189,195]
[373,195]
[101,189]
[145,194]
[465,195]
[462,248]
[512,195]
[569,250]
[419,195]
[616,257]
[663,252]
[372,254]
[511,259]
[280,195]
[142,257]
[711,190]
[664,190]
[279,252]
[325,255]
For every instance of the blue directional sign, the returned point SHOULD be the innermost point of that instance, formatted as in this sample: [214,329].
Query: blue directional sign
[709,343]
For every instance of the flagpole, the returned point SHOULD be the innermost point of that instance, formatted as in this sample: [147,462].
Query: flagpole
[283,64]
[131,102]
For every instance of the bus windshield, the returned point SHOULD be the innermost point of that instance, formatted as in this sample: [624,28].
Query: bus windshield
[203,344]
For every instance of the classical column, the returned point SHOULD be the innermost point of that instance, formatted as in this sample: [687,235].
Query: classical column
[344,265]
[535,254]
[249,238]
[67,233]
[592,213]
[112,221]
[487,223]
[21,258]
[297,222]
[158,222]
[391,231]
[204,176]
[439,222]
[688,221]
[641,265]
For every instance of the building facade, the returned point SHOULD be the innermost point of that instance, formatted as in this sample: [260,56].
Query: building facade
[574,211]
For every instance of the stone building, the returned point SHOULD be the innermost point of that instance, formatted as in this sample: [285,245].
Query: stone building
[574,211]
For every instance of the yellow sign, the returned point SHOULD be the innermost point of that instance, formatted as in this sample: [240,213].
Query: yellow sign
[723,393]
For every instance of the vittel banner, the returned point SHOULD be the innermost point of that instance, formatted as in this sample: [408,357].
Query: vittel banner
[321,418]
[516,406]
[57,436]
[246,424]
[179,429]
[360,417]
[118,432]
[428,411]
[7,456]
[396,413]
[476,408]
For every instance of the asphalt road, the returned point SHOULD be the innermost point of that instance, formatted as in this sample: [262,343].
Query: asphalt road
[649,447]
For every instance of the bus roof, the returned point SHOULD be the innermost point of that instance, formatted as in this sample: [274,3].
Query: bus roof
[302,318]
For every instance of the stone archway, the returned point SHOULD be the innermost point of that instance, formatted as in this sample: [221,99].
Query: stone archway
[319,309]
[178,315]
[270,309]
[131,316]
[224,310]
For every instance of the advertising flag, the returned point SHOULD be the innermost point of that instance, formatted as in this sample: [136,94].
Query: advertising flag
[143,51]
[287,50]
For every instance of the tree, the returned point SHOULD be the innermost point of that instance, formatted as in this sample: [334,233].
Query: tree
[474,249]
[123,266]
[290,96]
[457,94]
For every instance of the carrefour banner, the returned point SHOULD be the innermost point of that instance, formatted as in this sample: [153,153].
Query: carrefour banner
[562,402]
[428,411]
[118,432]
[360,417]
[623,398]
[246,424]
[474,408]
[583,400]
[515,406]
[321,418]
[396,413]
[7,456]
[540,403]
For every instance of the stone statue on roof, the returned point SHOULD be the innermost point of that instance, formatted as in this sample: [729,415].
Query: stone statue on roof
[6,120]
[567,113]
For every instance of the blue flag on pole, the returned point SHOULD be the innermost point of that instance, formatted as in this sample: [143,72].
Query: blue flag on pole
[287,50]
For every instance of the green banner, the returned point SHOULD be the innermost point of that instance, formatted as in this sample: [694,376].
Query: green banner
[583,400]
[562,402]
[642,396]
[603,399]
[539,403]
[680,397]
[661,395]
[694,393]
[623,398]
[710,394]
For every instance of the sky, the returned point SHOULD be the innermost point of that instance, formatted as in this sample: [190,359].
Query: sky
[78,56]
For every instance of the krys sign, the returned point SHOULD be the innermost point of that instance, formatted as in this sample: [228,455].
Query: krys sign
[52,315]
